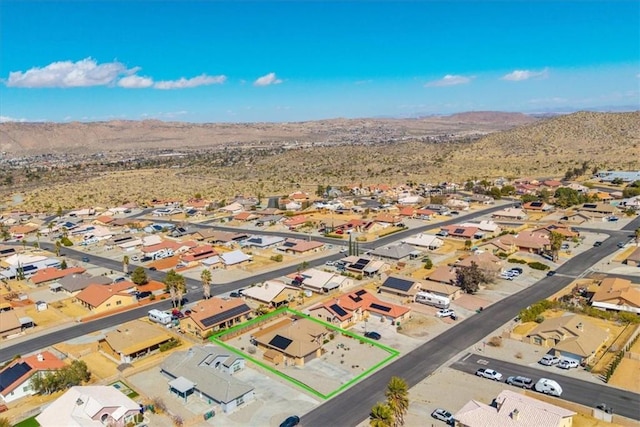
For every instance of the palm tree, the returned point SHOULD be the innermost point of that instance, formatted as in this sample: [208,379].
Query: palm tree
[176,285]
[381,416]
[637,235]
[398,399]
[555,242]
[38,235]
[58,245]
[206,283]
[125,264]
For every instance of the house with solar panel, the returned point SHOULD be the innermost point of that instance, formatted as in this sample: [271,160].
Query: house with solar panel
[321,282]
[15,378]
[537,206]
[347,309]
[206,372]
[292,341]
[598,211]
[400,286]
[214,314]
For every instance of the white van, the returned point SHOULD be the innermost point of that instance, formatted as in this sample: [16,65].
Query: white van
[433,299]
[159,317]
[547,386]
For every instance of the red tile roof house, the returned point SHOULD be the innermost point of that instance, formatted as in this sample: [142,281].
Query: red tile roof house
[425,213]
[296,222]
[197,254]
[353,307]
[460,231]
[50,273]
[407,211]
[245,216]
[15,378]
[537,206]
[388,219]
[353,224]
[526,241]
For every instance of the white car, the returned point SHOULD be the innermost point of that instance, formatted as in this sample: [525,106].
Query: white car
[549,360]
[443,415]
[445,312]
[568,364]
[489,374]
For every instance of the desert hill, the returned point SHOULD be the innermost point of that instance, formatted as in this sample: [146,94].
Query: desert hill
[123,135]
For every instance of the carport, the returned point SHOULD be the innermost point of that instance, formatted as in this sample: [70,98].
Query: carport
[182,387]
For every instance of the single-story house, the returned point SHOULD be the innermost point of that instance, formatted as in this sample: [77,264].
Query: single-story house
[75,283]
[486,261]
[513,409]
[633,258]
[236,257]
[443,274]
[10,323]
[400,252]
[617,294]
[565,230]
[272,293]
[50,274]
[443,289]
[402,286]
[301,246]
[15,378]
[424,241]
[133,340]
[216,236]
[572,336]
[461,232]
[90,405]
[213,314]
[510,214]
[598,210]
[262,242]
[323,281]
[103,298]
[537,206]
[297,340]
[207,371]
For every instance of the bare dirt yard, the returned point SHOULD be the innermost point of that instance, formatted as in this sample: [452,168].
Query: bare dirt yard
[627,374]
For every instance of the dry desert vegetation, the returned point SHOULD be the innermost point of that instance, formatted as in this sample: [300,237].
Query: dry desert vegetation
[535,148]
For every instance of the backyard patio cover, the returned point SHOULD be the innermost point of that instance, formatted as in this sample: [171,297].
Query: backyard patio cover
[181,385]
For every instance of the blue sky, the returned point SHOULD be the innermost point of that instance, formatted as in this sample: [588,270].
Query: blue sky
[245,61]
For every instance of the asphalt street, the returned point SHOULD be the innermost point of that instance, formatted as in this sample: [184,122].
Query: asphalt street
[623,402]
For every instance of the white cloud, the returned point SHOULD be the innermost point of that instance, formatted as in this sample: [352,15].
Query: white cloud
[266,80]
[135,82]
[449,80]
[182,83]
[6,119]
[64,74]
[519,75]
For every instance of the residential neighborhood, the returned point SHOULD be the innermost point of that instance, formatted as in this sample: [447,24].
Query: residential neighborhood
[237,304]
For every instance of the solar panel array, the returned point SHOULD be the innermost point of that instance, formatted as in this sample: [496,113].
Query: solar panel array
[225,315]
[459,231]
[355,298]
[384,308]
[360,264]
[361,292]
[288,244]
[12,374]
[397,283]
[590,206]
[536,204]
[339,310]
[280,342]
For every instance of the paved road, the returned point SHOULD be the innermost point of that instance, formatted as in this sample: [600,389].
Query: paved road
[354,404]
[623,402]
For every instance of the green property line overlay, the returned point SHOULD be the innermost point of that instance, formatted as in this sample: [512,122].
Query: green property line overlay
[392,352]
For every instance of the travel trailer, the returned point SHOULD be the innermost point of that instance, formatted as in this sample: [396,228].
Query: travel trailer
[159,317]
[432,299]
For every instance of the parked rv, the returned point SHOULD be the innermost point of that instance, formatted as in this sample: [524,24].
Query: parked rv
[433,299]
[548,386]
[159,317]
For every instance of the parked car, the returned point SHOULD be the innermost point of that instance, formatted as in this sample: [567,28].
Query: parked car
[373,335]
[517,270]
[598,243]
[330,263]
[291,421]
[549,360]
[612,219]
[604,407]
[177,314]
[85,259]
[489,374]
[445,312]
[234,295]
[443,415]
[551,273]
[622,244]
[568,364]
[153,268]
[519,381]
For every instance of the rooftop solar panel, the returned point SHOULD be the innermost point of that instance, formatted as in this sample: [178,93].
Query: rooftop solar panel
[355,298]
[280,342]
[339,310]
[536,204]
[590,206]
[384,308]
[11,375]
[459,231]
[225,315]
[288,244]
[397,283]
[361,292]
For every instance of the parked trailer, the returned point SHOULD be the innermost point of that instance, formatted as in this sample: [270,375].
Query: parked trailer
[159,317]
[433,299]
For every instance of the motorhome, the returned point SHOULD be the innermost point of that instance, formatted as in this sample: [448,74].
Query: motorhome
[159,317]
[433,299]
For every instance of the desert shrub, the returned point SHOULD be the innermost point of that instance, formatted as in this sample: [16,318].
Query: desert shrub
[251,350]
[66,242]
[276,258]
[503,255]
[538,266]
[531,313]
[169,345]
[516,261]
[495,341]
[519,355]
